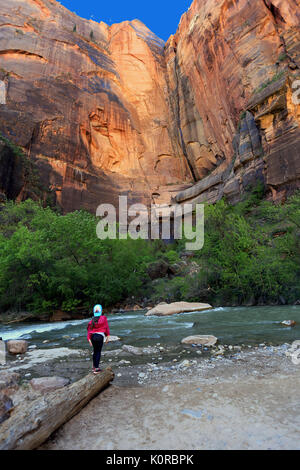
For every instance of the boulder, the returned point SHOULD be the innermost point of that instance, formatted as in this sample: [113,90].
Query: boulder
[8,381]
[219,352]
[48,384]
[139,351]
[150,350]
[177,307]
[288,323]
[113,353]
[58,315]
[137,307]
[112,339]
[204,340]
[16,346]
[175,269]
[185,363]
[158,269]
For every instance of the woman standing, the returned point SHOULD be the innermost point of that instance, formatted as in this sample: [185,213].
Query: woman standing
[98,331]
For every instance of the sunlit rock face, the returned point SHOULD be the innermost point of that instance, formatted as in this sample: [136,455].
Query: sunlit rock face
[89,104]
[107,111]
[231,68]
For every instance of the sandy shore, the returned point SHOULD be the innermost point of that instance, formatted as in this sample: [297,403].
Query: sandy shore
[250,400]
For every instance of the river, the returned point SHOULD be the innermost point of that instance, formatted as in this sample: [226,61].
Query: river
[235,326]
[246,399]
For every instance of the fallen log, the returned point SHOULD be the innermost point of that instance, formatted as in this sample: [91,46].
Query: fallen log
[32,423]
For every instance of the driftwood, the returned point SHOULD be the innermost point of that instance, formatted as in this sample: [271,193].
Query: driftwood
[32,423]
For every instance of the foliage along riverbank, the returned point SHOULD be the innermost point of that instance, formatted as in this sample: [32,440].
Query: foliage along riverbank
[53,262]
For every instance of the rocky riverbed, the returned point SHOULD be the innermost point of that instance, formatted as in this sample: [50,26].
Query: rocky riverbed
[170,391]
[243,398]
[250,400]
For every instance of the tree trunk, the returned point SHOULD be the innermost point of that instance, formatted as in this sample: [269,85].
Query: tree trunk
[32,423]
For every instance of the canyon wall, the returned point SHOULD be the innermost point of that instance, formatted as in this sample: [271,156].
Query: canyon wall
[231,68]
[104,111]
[88,104]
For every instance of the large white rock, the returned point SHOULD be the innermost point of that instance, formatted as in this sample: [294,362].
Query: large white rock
[204,340]
[177,307]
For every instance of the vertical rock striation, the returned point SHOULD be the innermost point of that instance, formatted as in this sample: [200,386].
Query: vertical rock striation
[231,66]
[88,104]
[102,111]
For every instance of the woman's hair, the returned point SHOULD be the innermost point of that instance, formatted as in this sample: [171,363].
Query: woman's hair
[94,321]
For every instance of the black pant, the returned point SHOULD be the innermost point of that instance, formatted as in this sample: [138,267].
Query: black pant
[97,342]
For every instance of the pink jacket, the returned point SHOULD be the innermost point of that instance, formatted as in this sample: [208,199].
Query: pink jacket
[100,327]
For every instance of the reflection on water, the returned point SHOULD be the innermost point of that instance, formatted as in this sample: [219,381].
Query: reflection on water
[240,325]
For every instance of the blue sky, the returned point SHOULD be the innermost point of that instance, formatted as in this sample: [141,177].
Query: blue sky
[161,16]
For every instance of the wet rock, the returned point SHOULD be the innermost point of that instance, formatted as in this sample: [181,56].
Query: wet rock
[40,356]
[48,384]
[17,346]
[204,340]
[288,323]
[219,352]
[114,338]
[132,350]
[139,351]
[114,352]
[185,363]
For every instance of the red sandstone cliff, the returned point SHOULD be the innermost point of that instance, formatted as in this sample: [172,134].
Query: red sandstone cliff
[88,104]
[103,111]
[231,67]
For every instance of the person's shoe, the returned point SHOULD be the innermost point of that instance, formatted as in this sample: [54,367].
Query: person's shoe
[97,371]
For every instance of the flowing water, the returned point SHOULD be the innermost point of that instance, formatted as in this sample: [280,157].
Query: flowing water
[236,326]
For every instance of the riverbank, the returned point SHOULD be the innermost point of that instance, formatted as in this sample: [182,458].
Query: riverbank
[172,390]
[59,316]
[248,401]
[245,398]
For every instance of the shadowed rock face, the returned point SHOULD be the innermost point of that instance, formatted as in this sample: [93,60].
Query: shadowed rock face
[104,111]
